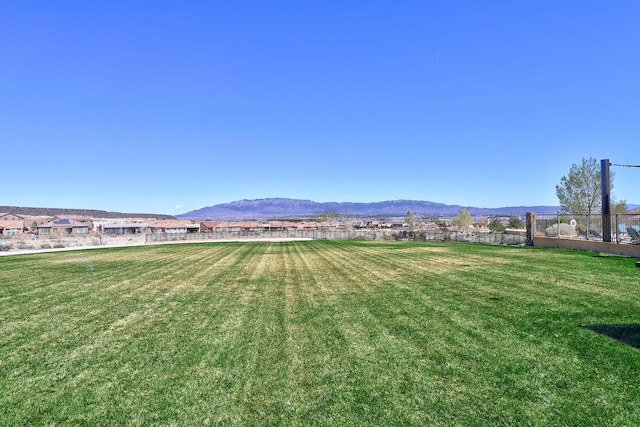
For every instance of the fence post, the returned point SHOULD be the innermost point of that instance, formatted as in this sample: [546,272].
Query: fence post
[531,227]
[605,185]
[606,227]
[587,230]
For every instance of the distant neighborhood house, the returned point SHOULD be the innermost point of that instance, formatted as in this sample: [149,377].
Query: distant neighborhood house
[10,217]
[63,227]
[172,226]
[123,228]
[11,224]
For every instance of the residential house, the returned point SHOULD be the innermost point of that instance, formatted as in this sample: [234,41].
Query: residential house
[280,225]
[173,226]
[63,227]
[123,228]
[209,226]
[78,218]
[10,217]
[249,226]
[119,225]
[11,224]
[274,226]
[31,222]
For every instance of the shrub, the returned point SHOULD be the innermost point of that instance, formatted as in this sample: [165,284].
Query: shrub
[5,246]
[565,230]
[59,245]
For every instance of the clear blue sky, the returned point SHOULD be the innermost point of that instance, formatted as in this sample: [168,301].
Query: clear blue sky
[167,106]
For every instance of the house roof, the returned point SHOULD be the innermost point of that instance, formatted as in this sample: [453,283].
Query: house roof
[210,224]
[30,219]
[635,211]
[81,218]
[9,213]
[248,224]
[12,224]
[63,223]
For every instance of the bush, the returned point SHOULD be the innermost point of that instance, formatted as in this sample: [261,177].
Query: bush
[5,246]
[565,230]
[420,237]
[59,245]
[45,246]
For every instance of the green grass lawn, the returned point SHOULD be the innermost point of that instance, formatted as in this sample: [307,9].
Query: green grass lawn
[319,333]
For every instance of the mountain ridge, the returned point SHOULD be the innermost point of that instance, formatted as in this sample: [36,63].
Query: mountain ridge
[96,213]
[298,208]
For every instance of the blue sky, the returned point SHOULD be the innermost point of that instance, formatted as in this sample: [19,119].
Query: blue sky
[165,107]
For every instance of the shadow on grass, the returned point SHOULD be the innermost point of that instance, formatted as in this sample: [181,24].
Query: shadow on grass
[628,334]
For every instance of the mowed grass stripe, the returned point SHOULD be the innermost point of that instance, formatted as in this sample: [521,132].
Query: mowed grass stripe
[478,326]
[385,330]
[325,333]
[142,304]
[134,280]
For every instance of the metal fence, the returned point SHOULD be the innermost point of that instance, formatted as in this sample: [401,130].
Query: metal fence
[439,235]
[624,228]
[470,235]
[271,234]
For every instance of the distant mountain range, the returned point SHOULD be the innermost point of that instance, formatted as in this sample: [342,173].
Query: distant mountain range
[19,210]
[294,208]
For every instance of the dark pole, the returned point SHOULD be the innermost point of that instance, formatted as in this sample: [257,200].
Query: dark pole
[605,185]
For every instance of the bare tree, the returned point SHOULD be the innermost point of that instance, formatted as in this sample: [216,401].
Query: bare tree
[411,220]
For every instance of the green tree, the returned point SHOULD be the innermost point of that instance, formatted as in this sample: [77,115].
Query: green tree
[579,192]
[463,219]
[618,207]
[515,222]
[496,225]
